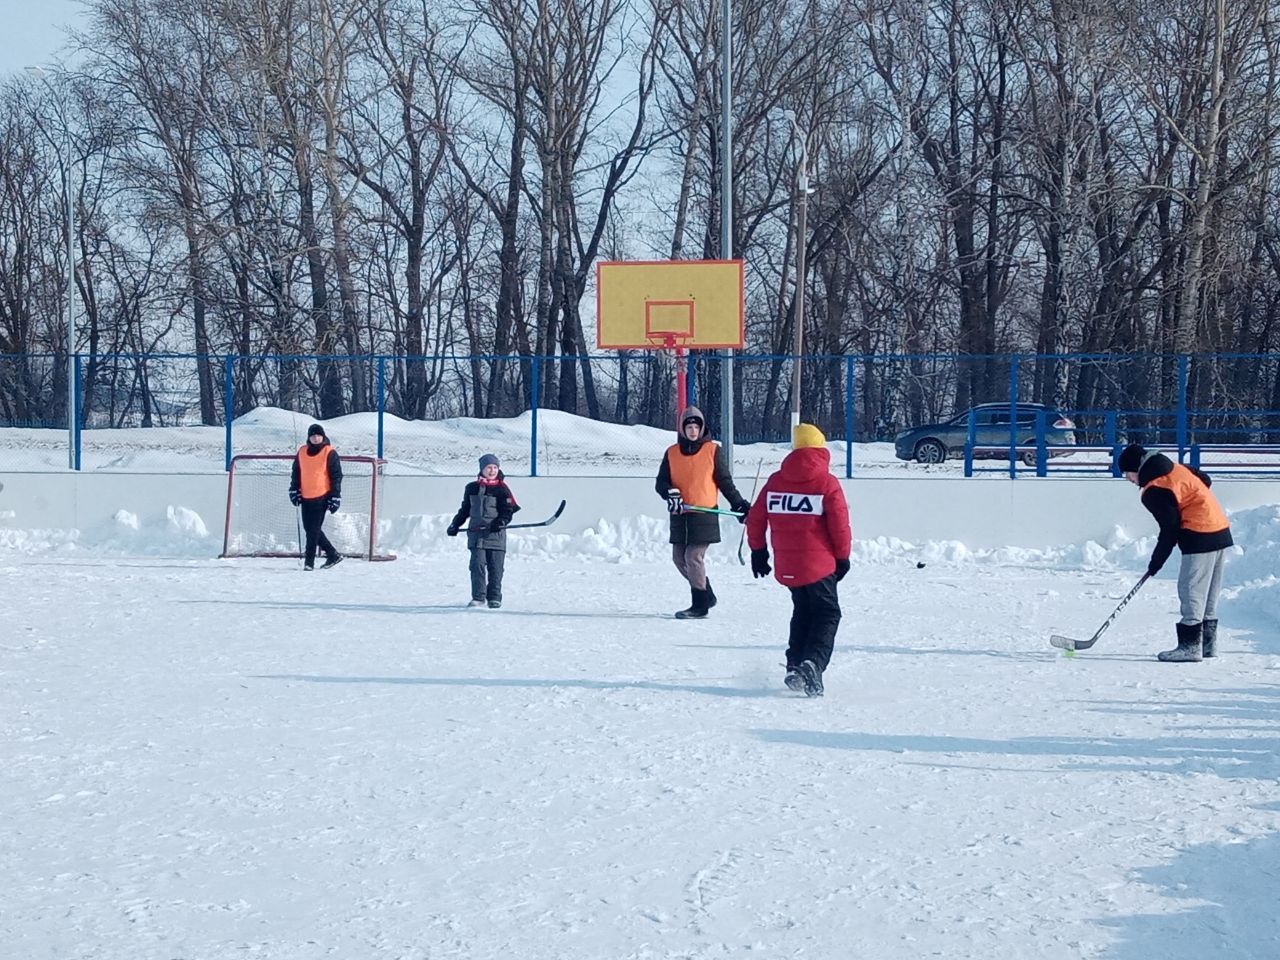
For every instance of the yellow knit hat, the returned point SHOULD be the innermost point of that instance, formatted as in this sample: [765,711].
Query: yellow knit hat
[807,435]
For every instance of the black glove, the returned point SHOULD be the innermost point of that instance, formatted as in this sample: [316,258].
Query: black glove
[295,497]
[334,504]
[842,567]
[675,503]
[496,524]
[742,510]
[1152,570]
[451,530]
[760,563]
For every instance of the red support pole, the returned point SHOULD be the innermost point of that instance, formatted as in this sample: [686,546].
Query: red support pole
[682,385]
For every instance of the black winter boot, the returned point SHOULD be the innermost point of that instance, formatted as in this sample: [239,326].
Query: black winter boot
[1209,639]
[711,595]
[812,678]
[697,609]
[1188,649]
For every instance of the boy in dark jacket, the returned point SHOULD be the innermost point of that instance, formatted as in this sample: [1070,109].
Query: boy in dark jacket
[805,507]
[1191,519]
[693,473]
[489,505]
[316,486]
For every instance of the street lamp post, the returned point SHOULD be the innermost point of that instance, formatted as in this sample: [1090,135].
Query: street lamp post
[798,345]
[726,208]
[44,73]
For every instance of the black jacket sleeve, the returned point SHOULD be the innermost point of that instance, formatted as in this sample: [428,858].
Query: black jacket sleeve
[464,511]
[1163,505]
[335,473]
[663,483]
[724,483]
[295,483]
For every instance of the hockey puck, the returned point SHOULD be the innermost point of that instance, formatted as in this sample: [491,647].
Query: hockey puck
[919,564]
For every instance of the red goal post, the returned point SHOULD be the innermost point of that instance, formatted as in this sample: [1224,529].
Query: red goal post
[261,522]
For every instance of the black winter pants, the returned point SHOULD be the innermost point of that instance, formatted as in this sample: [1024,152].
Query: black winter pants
[487,565]
[815,616]
[313,512]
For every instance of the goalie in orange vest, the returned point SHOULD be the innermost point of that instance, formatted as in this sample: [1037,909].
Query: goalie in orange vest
[316,487]
[1191,519]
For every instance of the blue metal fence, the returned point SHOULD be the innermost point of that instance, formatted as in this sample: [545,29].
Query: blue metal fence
[1178,402]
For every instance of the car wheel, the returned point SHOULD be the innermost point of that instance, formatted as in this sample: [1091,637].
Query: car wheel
[1028,457]
[930,451]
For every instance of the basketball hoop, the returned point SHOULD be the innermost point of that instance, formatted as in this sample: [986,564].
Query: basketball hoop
[677,305]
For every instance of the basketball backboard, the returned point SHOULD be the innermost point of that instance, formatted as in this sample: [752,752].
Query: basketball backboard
[669,303]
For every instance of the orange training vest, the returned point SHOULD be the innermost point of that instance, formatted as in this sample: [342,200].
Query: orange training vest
[314,472]
[1196,502]
[695,475]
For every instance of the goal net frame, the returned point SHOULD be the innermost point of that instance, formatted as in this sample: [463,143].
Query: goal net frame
[293,546]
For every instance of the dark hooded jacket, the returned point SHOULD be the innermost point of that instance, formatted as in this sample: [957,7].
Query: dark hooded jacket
[482,504]
[693,527]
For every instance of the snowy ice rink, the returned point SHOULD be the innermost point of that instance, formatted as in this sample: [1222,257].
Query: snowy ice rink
[208,759]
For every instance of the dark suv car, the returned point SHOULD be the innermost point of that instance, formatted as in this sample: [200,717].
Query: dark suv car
[935,442]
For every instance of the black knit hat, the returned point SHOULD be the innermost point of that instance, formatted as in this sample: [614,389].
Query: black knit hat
[314,429]
[1131,457]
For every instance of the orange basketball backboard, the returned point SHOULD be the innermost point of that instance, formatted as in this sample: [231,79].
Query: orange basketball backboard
[671,303]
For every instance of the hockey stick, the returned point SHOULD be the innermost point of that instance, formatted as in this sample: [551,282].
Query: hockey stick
[541,523]
[1070,645]
[715,510]
[751,500]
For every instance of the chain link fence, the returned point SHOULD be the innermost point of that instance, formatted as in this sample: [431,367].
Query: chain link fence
[610,414]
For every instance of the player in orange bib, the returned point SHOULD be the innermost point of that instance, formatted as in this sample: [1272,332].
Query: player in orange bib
[694,473]
[316,486]
[1191,519]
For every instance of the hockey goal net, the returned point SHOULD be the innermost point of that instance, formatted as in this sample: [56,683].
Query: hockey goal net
[261,522]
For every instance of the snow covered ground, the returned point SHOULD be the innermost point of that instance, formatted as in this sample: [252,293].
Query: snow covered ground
[205,759]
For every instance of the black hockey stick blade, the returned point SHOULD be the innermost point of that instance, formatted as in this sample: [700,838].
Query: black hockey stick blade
[541,523]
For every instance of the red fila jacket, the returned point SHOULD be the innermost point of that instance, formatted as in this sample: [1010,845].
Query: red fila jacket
[805,506]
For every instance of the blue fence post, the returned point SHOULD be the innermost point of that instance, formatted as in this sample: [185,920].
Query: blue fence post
[1110,429]
[1042,451]
[1184,362]
[228,406]
[382,400]
[533,416]
[1013,417]
[970,440]
[1195,456]
[78,412]
[693,382]
[849,408]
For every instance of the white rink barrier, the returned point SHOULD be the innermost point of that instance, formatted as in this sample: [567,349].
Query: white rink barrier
[981,513]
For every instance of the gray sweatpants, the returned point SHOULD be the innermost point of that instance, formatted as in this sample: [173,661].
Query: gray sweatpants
[1199,580]
[691,560]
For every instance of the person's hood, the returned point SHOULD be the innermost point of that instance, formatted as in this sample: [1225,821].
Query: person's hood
[1155,465]
[805,464]
[689,447]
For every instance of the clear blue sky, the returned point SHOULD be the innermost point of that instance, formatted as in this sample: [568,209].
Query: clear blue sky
[31,30]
